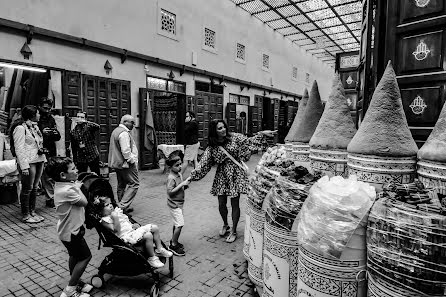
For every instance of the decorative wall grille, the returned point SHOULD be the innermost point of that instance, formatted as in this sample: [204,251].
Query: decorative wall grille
[265,61]
[295,72]
[240,51]
[168,22]
[209,38]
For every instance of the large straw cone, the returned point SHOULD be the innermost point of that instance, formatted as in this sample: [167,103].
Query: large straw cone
[383,150]
[384,130]
[298,118]
[311,117]
[336,127]
[434,149]
[328,146]
[432,156]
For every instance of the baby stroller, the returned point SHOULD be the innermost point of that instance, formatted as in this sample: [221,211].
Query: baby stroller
[125,259]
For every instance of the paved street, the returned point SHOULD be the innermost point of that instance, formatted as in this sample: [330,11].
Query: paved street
[33,262]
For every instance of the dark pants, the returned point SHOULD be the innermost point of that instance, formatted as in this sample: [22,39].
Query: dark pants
[128,184]
[94,166]
[29,187]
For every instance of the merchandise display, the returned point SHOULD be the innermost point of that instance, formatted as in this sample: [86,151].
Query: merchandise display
[298,118]
[332,212]
[284,201]
[406,243]
[431,167]
[383,149]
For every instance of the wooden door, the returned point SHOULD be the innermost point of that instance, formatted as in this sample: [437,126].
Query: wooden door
[257,114]
[366,70]
[71,100]
[415,39]
[208,106]
[106,101]
[231,116]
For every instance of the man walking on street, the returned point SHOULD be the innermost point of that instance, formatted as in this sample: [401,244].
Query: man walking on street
[47,125]
[123,157]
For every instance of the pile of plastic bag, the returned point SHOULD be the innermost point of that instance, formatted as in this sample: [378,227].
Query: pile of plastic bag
[406,247]
[284,202]
[332,212]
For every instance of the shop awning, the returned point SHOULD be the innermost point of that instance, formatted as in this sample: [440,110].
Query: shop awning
[322,27]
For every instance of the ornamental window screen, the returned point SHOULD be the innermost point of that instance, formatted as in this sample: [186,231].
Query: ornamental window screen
[240,52]
[239,99]
[295,72]
[168,22]
[209,38]
[265,61]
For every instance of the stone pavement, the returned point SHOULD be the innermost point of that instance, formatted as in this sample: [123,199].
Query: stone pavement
[33,262]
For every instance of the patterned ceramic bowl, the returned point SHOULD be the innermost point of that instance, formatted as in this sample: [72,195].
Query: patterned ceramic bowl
[329,162]
[378,170]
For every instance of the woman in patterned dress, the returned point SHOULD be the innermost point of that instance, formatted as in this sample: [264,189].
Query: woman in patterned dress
[230,180]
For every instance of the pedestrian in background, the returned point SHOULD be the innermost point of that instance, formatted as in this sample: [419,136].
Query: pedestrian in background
[83,144]
[123,157]
[191,140]
[47,125]
[26,145]
[227,151]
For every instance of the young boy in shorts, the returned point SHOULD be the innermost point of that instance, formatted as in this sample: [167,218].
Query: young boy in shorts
[70,207]
[175,201]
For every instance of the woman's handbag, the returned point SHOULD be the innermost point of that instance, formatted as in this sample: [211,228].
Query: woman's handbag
[240,164]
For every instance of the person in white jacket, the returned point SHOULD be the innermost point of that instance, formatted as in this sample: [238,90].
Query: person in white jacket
[28,148]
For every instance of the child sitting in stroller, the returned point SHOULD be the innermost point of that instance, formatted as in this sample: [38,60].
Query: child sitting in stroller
[119,223]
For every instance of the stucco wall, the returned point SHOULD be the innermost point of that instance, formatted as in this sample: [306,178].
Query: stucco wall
[133,26]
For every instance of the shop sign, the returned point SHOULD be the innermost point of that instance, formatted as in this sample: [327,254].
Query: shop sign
[349,61]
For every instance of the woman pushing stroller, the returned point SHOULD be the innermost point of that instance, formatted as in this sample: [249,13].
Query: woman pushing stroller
[119,223]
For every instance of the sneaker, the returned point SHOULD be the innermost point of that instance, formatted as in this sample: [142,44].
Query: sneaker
[177,250]
[49,203]
[84,287]
[30,220]
[179,243]
[164,253]
[37,217]
[155,262]
[73,293]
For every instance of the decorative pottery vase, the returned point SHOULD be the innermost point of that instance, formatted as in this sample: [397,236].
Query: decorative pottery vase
[321,276]
[246,234]
[432,174]
[301,152]
[377,170]
[329,162]
[255,260]
[280,253]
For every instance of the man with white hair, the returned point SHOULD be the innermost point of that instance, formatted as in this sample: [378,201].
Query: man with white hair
[123,157]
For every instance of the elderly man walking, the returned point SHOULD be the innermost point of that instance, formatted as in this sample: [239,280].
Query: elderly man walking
[123,157]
